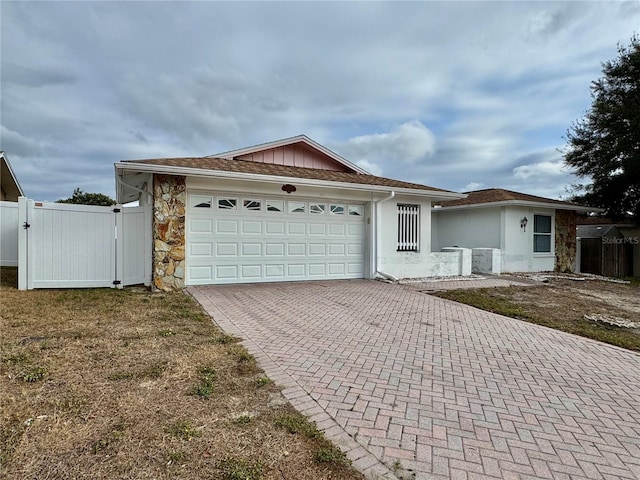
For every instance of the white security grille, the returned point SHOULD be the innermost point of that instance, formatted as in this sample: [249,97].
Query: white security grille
[408,228]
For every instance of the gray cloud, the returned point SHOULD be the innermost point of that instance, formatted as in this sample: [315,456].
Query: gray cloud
[448,94]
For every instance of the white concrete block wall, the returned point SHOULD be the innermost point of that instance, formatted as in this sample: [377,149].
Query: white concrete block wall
[486,260]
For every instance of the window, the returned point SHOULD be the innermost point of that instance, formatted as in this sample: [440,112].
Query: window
[408,228]
[357,210]
[275,206]
[337,209]
[296,207]
[542,233]
[317,207]
[252,205]
[227,203]
[201,201]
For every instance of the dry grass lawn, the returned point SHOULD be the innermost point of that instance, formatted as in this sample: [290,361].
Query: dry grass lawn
[125,384]
[563,304]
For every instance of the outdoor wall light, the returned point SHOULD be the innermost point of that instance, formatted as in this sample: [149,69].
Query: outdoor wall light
[288,188]
[523,223]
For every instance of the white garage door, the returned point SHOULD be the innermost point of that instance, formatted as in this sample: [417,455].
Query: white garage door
[246,238]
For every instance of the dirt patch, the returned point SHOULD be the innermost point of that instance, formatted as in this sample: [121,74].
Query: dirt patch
[563,303]
[110,384]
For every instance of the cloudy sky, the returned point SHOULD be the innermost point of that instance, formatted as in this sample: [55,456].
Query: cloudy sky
[456,95]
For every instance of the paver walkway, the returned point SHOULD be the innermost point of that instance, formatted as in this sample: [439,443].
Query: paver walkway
[413,386]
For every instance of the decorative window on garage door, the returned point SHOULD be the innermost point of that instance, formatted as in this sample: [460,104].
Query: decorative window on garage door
[408,227]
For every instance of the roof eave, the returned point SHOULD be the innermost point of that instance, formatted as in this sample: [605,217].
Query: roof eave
[290,141]
[522,203]
[12,174]
[254,177]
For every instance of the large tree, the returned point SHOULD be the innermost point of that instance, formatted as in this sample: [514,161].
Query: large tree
[604,145]
[84,198]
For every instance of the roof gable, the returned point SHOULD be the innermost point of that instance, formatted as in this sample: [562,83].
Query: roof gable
[298,151]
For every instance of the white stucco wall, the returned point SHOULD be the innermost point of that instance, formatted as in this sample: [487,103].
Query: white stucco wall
[404,264]
[495,227]
[473,228]
[518,255]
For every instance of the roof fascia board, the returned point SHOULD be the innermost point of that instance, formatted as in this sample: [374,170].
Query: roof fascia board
[11,172]
[253,177]
[290,141]
[521,203]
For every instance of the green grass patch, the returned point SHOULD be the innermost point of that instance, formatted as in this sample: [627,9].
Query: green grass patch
[298,423]
[263,381]
[184,429]
[232,468]
[480,298]
[207,382]
[329,453]
[33,374]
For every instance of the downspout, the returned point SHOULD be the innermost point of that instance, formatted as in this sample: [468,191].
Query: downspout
[376,204]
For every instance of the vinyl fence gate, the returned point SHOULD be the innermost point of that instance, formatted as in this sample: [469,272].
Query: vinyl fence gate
[79,246]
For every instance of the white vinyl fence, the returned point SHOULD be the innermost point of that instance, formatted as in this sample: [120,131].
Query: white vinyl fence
[76,246]
[8,234]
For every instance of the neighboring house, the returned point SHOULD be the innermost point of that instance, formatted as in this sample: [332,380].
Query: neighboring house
[612,250]
[9,192]
[282,211]
[533,234]
[9,187]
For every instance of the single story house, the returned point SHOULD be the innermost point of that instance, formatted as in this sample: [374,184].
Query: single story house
[532,234]
[282,211]
[10,189]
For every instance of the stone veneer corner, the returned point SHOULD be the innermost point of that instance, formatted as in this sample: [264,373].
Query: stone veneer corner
[169,200]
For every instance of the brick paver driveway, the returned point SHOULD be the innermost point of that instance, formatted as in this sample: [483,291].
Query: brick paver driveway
[413,386]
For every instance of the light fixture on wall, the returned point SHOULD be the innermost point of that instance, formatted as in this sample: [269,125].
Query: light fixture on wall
[523,223]
[288,188]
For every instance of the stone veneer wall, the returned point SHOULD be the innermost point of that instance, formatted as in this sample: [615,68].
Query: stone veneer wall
[169,199]
[565,240]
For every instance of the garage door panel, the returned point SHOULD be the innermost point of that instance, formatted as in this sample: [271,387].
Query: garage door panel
[227,226]
[266,245]
[251,272]
[317,270]
[336,269]
[355,230]
[200,273]
[251,227]
[295,228]
[226,249]
[226,272]
[355,249]
[251,249]
[274,271]
[200,226]
[297,249]
[274,249]
[317,229]
[296,270]
[337,229]
[201,249]
[317,249]
[274,228]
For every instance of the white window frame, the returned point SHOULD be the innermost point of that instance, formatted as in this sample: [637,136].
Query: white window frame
[549,234]
[408,227]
